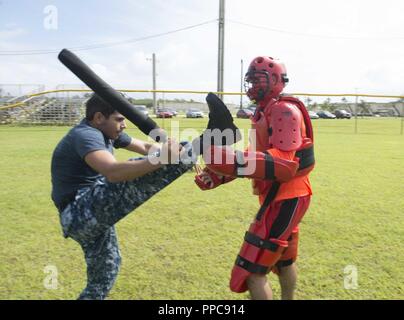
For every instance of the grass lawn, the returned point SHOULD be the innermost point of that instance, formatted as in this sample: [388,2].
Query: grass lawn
[183,242]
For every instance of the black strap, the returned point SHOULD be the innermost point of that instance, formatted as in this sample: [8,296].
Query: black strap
[306,157]
[284,217]
[251,266]
[284,263]
[269,166]
[271,196]
[260,243]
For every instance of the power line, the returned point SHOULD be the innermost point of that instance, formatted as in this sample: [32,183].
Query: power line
[102,45]
[313,34]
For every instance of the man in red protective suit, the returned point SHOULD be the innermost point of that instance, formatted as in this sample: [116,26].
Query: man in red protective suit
[278,160]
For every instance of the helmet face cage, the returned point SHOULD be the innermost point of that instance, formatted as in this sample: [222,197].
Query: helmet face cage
[256,84]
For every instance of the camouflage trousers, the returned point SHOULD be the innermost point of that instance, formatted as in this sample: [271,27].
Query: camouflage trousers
[90,218]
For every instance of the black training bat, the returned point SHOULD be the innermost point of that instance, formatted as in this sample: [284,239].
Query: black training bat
[110,95]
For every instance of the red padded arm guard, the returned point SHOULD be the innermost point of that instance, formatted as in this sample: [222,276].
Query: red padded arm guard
[217,180]
[257,165]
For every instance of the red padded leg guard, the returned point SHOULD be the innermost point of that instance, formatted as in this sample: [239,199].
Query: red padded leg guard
[238,279]
[253,260]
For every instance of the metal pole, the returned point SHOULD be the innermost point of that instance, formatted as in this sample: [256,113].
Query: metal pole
[356,112]
[220,66]
[154,83]
[241,85]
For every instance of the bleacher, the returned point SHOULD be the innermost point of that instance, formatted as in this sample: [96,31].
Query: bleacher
[43,110]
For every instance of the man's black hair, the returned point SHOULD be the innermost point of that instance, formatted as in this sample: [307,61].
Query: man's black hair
[96,104]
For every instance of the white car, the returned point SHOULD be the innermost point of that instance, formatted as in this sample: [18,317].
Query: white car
[194,113]
[313,115]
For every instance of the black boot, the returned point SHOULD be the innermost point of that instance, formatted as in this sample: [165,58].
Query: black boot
[220,130]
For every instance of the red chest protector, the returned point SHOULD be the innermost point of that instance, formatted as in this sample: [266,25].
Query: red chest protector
[262,119]
[262,139]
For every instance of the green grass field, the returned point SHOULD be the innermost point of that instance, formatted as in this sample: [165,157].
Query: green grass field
[183,242]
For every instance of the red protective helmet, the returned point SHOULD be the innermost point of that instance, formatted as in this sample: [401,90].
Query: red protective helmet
[265,78]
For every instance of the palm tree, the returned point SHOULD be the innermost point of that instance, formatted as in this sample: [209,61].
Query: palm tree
[308,101]
[326,104]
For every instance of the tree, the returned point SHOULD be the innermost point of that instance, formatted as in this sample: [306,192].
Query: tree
[308,101]
[363,107]
[314,106]
[333,107]
[347,105]
[326,105]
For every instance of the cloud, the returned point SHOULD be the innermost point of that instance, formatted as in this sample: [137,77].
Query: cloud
[9,37]
[306,41]
[101,70]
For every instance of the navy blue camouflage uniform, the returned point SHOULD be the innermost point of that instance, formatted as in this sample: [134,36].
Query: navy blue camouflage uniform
[93,205]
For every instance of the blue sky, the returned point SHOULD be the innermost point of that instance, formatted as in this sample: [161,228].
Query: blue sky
[327,46]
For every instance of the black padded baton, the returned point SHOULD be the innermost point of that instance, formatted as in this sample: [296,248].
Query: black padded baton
[110,95]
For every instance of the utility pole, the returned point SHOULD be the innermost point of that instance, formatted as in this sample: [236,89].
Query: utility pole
[356,110]
[153,59]
[241,85]
[220,65]
[154,83]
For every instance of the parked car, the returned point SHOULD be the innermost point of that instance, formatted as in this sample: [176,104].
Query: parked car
[326,115]
[163,113]
[142,109]
[313,115]
[194,113]
[244,113]
[174,113]
[342,114]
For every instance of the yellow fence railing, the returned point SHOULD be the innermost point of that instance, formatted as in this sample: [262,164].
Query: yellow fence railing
[28,97]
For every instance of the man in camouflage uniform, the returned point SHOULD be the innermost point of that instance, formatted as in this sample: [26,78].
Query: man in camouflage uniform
[93,191]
